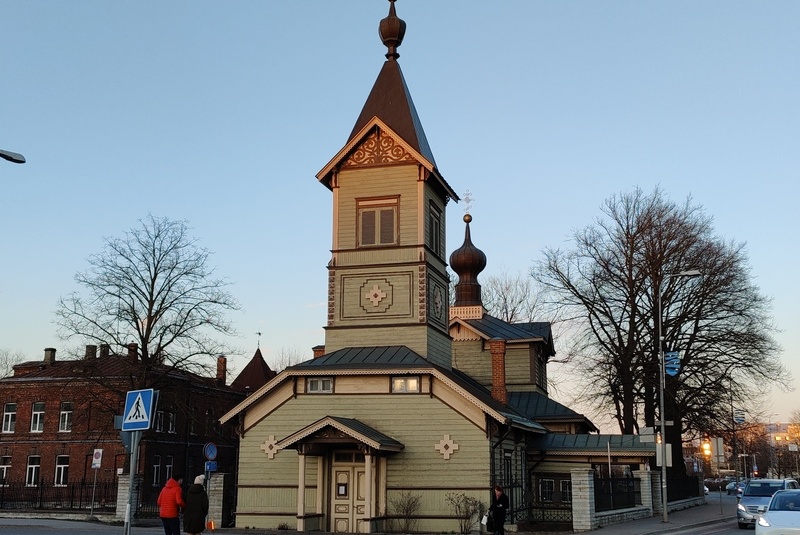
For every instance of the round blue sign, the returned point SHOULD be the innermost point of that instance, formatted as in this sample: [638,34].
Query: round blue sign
[210,451]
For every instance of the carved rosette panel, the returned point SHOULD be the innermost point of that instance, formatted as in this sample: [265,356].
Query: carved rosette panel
[423,294]
[377,295]
[270,446]
[446,447]
[378,148]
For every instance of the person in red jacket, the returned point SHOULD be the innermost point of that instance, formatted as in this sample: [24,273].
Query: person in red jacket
[170,500]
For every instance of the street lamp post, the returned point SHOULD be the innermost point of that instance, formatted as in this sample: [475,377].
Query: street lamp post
[662,382]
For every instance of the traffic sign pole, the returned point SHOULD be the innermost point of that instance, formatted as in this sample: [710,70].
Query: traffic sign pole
[135,438]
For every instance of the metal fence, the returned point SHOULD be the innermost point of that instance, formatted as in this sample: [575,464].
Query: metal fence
[71,497]
[681,488]
[616,493]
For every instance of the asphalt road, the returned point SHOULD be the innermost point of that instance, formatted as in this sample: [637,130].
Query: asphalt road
[34,526]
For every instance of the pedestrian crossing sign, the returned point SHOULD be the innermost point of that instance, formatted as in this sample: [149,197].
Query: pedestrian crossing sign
[138,410]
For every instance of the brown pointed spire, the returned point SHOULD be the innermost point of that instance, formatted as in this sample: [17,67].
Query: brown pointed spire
[392,29]
[468,261]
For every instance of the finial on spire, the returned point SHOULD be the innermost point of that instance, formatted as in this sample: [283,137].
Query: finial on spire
[467,198]
[258,343]
[392,29]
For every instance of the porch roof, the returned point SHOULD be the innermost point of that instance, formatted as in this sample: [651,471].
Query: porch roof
[351,427]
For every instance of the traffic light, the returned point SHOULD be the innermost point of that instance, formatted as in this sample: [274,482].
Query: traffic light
[706,447]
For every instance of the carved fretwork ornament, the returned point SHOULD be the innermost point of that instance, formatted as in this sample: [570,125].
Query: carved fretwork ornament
[376,149]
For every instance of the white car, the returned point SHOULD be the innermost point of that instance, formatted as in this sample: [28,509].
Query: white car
[781,516]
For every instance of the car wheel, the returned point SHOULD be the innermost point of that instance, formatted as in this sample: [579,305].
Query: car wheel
[742,526]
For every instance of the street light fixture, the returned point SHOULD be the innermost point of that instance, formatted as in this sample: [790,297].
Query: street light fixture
[687,273]
[12,156]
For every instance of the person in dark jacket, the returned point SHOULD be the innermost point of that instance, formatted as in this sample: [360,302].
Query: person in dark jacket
[194,515]
[498,510]
[170,501]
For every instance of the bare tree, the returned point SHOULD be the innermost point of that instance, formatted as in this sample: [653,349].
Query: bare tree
[287,356]
[610,285]
[512,298]
[8,359]
[153,287]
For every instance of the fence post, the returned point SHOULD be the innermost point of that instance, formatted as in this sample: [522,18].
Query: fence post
[645,488]
[583,511]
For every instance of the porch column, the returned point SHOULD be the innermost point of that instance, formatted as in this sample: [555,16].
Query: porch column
[369,478]
[301,492]
[320,483]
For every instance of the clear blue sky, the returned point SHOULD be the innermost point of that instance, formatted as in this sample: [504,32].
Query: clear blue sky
[221,113]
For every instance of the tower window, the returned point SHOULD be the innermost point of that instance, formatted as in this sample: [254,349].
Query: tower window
[435,229]
[377,222]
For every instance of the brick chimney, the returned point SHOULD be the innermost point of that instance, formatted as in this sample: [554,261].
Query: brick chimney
[91,352]
[105,350]
[222,370]
[497,348]
[133,352]
[318,351]
[49,356]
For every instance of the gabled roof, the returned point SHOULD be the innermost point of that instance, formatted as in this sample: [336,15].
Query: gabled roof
[541,408]
[489,327]
[350,427]
[254,375]
[388,359]
[563,444]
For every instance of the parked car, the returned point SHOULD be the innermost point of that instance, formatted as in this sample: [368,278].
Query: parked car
[782,515]
[756,496]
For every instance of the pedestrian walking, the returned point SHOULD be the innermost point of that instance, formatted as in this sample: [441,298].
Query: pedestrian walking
[498,510]
[170,502]
[194,516]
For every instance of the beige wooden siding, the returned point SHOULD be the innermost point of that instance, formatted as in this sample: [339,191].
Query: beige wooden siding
[413,336]
[469,357]
[375,182]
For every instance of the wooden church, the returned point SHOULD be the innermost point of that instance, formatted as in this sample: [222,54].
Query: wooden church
[409,397]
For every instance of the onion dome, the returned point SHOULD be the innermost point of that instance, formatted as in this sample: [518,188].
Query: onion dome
[392,29]
[468,261]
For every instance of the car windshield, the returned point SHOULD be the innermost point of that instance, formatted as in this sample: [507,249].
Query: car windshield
[785,502]
[763,489]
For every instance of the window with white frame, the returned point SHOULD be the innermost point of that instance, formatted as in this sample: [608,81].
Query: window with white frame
[320,385]
[566,491]
[377,221]
[168,465]
[32,471]
[9,417]
[156,470]
[405,385]
[158,424]
[37,417]
[62,470]
[5,468]
[65,417]
[171,422]
[546,489]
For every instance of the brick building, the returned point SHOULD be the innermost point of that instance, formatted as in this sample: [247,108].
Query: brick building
[57,413]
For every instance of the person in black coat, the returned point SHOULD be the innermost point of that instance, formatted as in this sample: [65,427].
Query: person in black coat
[194,515]
[498,510]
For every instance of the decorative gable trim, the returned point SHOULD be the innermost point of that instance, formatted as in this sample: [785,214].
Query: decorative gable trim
[378,148]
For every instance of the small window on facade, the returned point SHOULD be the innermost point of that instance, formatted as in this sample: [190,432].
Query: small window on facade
[156,470]
[435,229]
[320,385]
[566,491]
[546,489]
[5,468]
[171,422]
[405,385]
[32,471]
[377,222]
[158,424]
[62,470]
[9,417]
[37,417]
[65,417]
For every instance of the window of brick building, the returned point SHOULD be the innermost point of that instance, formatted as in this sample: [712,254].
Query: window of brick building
[171,422]
[9,417]
[37,417]
[62,471]
[169,465]
[159,423]
[156,470]
[32,472]
[5,468]
[65,417]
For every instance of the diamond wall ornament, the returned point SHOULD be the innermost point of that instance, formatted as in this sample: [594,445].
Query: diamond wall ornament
[446,447]
[270,447]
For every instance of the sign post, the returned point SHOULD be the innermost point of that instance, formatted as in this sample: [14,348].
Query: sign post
[97,460]
[139,406]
